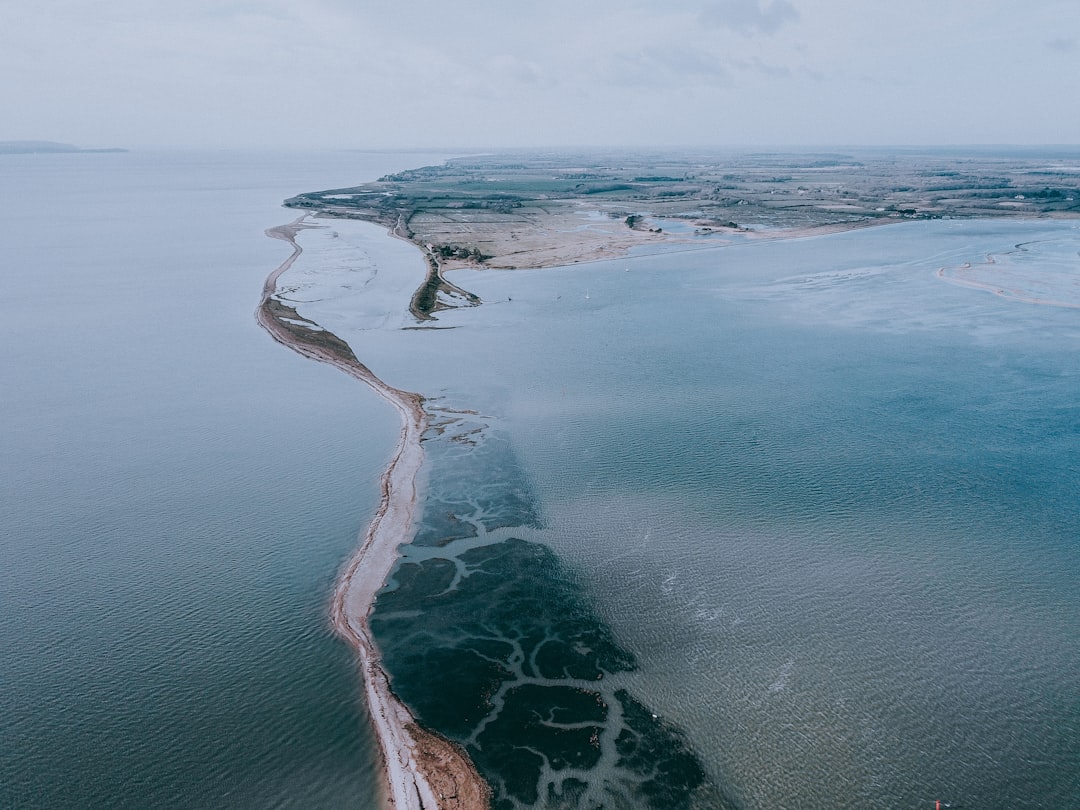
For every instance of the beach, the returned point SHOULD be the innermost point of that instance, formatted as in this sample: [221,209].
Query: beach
[423,770]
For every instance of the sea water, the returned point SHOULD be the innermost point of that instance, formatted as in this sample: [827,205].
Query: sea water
[778,524]
[177,492]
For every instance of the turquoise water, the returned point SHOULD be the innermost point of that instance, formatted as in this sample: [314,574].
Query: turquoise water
[823,499]
[177,493]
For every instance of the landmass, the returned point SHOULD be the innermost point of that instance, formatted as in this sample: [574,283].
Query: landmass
[529,210]
[46,147]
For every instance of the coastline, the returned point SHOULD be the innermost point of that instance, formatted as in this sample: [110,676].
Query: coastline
[423,771]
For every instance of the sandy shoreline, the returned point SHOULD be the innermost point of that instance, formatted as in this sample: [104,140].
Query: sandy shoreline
[423,771]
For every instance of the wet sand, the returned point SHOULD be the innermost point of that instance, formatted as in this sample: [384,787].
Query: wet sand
[423,770]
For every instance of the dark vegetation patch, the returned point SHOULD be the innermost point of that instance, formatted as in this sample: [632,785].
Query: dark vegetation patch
[495,647]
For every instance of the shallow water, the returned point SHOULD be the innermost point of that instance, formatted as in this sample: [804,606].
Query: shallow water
[824,499]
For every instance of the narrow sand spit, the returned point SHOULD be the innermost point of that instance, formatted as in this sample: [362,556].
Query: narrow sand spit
[982,277]
[423,771]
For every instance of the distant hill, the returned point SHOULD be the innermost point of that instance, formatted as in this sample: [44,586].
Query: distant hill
[38,147]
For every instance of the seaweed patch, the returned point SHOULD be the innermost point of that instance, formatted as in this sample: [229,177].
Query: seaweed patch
[488,639]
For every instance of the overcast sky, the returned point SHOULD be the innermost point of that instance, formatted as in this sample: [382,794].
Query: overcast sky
[414,73]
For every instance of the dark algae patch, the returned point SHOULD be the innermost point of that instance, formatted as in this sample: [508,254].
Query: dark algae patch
[670,769]
[471,500]
[489,641]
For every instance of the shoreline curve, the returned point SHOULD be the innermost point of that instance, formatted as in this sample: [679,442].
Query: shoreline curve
[423,771]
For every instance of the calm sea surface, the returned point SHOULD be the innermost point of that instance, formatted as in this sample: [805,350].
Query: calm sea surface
[177,492]
[812,510]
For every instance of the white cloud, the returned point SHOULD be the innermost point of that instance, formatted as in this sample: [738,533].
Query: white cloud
[665,68]
[771,71]
[749,16]
[484,72]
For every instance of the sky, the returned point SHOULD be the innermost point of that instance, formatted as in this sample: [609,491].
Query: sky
[505,73]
